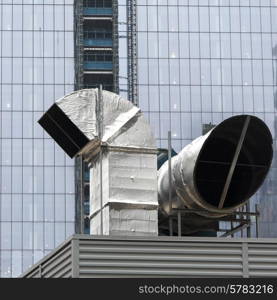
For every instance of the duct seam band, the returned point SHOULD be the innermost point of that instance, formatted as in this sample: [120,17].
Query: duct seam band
[130,149]
[146,206]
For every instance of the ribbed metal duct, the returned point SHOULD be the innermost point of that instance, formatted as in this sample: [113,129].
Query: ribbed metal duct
[220,171]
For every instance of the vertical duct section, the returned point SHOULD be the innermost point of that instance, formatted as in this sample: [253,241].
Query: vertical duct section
[129,193]
[124,173]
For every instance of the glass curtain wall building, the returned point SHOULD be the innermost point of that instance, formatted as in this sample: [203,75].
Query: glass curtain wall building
[202,61]
[37,194]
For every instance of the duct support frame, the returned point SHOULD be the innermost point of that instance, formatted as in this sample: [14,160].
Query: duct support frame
[176,227]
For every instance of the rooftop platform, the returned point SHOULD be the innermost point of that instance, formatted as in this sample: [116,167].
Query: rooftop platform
[83,256]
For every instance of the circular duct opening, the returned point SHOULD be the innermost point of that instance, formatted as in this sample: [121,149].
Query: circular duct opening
[217,154]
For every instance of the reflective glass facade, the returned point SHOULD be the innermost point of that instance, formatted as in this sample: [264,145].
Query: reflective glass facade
[37,179]
[201,61]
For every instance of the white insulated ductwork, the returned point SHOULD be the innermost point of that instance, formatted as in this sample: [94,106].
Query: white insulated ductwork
[123,175]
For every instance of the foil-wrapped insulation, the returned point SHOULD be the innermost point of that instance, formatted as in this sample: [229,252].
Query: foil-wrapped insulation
[123,123]
[116,140]
[129,193]
[200,170]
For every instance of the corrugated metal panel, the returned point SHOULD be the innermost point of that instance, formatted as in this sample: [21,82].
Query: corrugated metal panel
[262,260]
[34,274]
[156,259]
[57,264]
[106,256]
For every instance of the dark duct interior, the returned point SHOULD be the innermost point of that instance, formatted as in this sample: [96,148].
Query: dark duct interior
[214,161]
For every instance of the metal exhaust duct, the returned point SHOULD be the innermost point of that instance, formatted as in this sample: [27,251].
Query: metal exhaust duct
[219,171]
[112,135]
